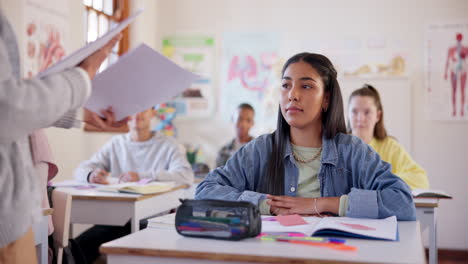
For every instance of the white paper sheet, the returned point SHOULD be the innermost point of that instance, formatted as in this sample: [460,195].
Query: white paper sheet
[78,56]
[139,80]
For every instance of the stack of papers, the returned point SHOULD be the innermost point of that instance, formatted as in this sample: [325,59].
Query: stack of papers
[139,80]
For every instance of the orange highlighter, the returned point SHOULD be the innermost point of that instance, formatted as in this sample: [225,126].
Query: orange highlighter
[319,242]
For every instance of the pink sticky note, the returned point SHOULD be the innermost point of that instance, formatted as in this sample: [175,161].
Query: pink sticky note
[290,220]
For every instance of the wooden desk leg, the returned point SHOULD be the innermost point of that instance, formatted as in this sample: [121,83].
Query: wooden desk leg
[433,239]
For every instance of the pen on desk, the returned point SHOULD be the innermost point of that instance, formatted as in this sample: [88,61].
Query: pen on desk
[332,243]
[304,238]
[320,244]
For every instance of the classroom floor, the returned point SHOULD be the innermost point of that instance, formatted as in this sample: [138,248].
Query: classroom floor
[451,256]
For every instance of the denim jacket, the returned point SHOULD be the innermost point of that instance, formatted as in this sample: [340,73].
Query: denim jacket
[348,166]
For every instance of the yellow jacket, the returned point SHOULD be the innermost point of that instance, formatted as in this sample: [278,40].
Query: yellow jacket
[402,164]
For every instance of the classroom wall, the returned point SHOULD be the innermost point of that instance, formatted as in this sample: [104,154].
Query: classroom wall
[440,147]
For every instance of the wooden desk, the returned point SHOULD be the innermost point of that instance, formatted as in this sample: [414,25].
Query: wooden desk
[426,214]
[158,245]
[105,208]
[41,236]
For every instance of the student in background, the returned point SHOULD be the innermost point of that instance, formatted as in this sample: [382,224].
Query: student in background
[139,154]
[366,120]
[309,165]
[25,106]
[244,119]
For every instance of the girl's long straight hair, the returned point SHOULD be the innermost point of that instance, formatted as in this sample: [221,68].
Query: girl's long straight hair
[333,121]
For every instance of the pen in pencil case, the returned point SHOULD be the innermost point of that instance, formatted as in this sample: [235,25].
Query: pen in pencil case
[222,234]
[226,220]
[237,229]
[205,224]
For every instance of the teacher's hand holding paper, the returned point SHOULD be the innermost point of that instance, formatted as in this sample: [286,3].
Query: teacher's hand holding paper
[106,120]
[150,78]
[91,65]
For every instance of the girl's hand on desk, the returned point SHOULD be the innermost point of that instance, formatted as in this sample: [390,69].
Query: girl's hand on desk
[291,205]
[99,176]
[279,211]
[303,206]
[130,176]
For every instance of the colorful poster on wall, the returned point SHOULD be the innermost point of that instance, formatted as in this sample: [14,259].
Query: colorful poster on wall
[446,70]
[250,73]
[46,26]
[196,54]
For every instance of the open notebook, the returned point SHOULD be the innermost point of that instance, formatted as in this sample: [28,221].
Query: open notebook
[385,229]
[136,187]
[428,193]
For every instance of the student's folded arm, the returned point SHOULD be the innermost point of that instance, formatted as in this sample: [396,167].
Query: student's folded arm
[380,193]
[30,104]
[179,169]
[235,181]
[100,159]
[410,171]
[415,176]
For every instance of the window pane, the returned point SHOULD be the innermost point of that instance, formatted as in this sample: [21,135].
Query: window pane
[92,26]
[85,21]
[97,4]
[109,7]
[87,2]
[104,65]
[115,49]
[103,25]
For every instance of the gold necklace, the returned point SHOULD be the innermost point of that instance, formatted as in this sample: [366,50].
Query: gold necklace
[307,160]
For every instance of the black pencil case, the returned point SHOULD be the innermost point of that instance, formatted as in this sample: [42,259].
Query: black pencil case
[218,219]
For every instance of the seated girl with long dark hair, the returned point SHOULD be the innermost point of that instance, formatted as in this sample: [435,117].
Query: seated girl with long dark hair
[309,165]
